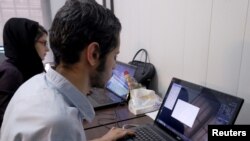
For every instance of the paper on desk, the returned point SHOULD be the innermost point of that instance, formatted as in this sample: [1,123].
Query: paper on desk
[152,114]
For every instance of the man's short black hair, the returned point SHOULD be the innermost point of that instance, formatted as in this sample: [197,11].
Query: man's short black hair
[77,24]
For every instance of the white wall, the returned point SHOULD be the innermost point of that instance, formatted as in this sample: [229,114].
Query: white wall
[205,42]
[55,5]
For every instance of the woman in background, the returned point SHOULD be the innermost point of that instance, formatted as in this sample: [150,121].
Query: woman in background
[25,46]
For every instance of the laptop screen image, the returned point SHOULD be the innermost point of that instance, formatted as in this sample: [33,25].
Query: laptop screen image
[188,109]
[117,82]
[116,90]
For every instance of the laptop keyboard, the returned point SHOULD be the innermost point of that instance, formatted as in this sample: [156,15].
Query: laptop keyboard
[144,133]
[101,98]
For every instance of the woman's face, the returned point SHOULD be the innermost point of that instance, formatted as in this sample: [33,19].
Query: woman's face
[42,46]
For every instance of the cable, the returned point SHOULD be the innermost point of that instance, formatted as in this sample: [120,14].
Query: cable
[101,121]
[114,117]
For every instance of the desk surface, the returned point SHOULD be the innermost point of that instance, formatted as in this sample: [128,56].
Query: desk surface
[110,115]
[115,116]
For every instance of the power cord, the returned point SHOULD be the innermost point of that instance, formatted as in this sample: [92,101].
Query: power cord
[114,117]
[102,121]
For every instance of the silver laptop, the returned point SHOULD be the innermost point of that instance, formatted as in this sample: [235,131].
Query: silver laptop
[116,90]
[187,110]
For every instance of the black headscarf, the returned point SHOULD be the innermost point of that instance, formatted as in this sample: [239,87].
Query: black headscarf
[19,46]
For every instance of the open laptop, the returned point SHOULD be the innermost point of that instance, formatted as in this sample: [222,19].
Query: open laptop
[187,110]
[116,90]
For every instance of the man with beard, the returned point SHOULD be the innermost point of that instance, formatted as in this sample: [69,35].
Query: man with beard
[51,106]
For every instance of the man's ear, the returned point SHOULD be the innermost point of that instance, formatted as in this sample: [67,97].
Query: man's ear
[93,53]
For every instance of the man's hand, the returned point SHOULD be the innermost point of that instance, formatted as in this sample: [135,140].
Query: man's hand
[115,133]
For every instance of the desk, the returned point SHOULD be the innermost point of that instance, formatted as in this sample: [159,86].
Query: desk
[112,117]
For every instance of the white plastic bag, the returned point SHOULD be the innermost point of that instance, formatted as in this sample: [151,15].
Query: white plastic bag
[143,100]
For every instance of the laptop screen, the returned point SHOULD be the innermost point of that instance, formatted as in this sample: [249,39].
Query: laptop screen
[117,82]
[188,109]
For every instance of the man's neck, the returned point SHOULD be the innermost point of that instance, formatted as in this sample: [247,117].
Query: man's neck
[77,76]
